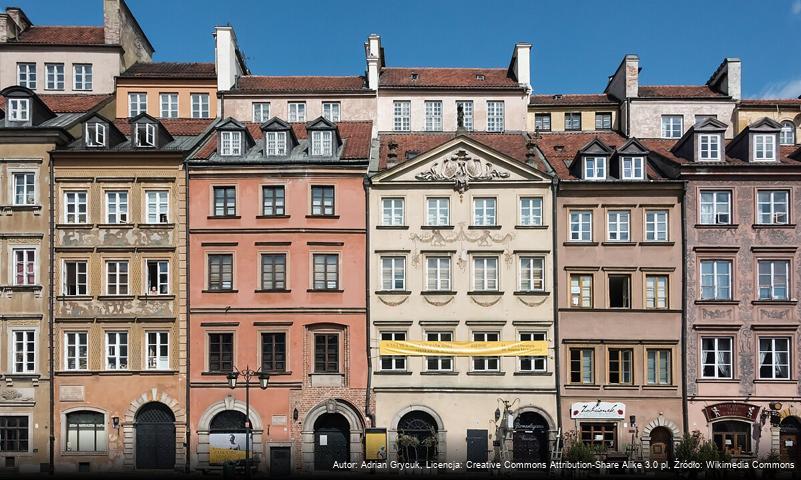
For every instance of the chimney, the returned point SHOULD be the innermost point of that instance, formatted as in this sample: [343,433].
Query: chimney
[374,55]
[521,64]
[12,23]
[112,22]
[625,82]
[228,59]
[727,78]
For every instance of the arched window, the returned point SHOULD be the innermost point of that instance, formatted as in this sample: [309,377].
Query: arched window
[787,135]
[227,437]
[228,421]
[86,432]
[417,437]
[733,437]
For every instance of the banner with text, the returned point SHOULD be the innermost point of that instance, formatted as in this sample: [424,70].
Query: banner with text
[531,348]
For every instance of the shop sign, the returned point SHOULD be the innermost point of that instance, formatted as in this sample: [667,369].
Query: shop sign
[604,410]
[745,411]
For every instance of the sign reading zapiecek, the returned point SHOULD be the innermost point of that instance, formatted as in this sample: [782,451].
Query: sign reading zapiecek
[606,410]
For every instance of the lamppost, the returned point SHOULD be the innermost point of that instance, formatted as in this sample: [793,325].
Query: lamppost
[264,379]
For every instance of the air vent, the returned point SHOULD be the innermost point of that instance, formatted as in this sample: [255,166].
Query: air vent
[414,76]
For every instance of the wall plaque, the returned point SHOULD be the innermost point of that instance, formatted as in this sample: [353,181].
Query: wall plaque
[71,393]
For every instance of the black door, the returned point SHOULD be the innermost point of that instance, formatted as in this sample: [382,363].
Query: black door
[331,441]
[789,435]
[280,461]
[477,445]
[530,439]
[155,437]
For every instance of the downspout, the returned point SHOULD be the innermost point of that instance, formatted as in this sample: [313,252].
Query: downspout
[188,407]
[555,299]
[368,394]
[684,400]
[51,469]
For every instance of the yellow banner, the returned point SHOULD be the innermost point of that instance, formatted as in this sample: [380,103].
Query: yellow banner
[532,348]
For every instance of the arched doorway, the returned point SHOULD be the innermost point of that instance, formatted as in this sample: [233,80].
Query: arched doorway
[530,438]
[227,437]
[155,437]
[789,435]
[661,444]
[417,437]
[331,441]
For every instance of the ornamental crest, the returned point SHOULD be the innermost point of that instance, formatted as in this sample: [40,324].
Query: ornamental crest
[460,168]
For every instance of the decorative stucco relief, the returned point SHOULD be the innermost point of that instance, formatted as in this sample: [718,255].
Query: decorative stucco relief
[461,169]
[461,236]
[132,308]
[116,237]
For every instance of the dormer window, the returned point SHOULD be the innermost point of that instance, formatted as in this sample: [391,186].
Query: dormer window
[19,109]
[145,135]
[276,144]
[322,143]
[95,134]
[708,147]
[631,168]
[230,144]
[764,148]
[594,168]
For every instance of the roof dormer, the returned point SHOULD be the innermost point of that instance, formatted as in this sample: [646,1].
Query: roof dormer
[233,139]
[757,143]
[703,142]
[324,140]
[279,139]
[630,162]
[99,132]
[594,160]
[147,132]
[24,108]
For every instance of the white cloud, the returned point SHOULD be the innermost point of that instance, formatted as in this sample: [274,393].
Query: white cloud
[796,8]
[786,89]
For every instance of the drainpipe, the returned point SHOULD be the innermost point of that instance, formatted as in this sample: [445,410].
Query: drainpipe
[187,408]
[555,300]
[685,416]
[368,413]
[51,469]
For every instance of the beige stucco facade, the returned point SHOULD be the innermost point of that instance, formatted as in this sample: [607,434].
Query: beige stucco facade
[359,107]
[643,117]
[558,116]
[105,63]
[153,88]
[746,115]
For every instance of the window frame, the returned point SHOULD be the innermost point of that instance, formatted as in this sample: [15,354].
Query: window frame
[582,286]
[19,109]
[270,281]
[30,267]
[655,278]
[532,269]
[159,273]
[485,211]
[226,203]
[398,362]
[324,285]
[715,204]
[704,154]
[77,346]
[583,361]
[296,111]
[273,201]
[154,204]
[496,116]
[86,71]
[637,164]
[121,288]
[768,148]
[657,368]
[536,209]
[529,335]
[162,363]
[334,113]
[168,103]
[774,364]
[397,265]
[597,168]
[580,232]
[716,349]
[212,264]
[572,121]
[669,131]
[652,225]
[603,117]
[486,280]
[29,83]
[773,204]
[29,190]
[402,115]
[29,347]
[539,118]
[55,77]
[715,262]
[438,360]
[119,200]
[619,229]
[396,207]
[276,366]
[787,134]
[215,347]
[433,115]
[258,110]
[275,144]
[438,211]
[326,192]
[484,364]
[438,269]
[200,105]
[231,147]
[65,281]
[95,134]
[322,143]
[621,357]
[467,114]
[137,100]
[329,351]
[118,356]
[773,285]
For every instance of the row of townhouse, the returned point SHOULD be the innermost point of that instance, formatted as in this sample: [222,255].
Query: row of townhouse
[192,255]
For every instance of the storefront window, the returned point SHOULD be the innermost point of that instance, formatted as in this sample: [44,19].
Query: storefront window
[732,437]
[601,434]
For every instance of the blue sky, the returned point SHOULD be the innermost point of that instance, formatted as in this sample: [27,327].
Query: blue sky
[577,44]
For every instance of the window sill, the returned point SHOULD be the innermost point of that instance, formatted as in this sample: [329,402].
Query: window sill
[115,225]
[75,226]
[392,292]
[22,376]
[533,374]
[485,292]
[392,227]
[613,243]
[115,297]
[578,386]
[657,244]
[330,217]
[220,291]
[436,227]
[435,372]
[660,387]
[75,298]
[705,226]
[717,380]
[531,227]
[85,454]
[484,227]
[780,381]
[576,243]
[156,298]
[621,387]
[390,372]
[486,374]
[769,226]
[21,288]
[268,217]
[438,292]
[324,290]
[21,208]
[223,217]
[532,293]
[774,302]
[155,226]
[717,302]
[272,290]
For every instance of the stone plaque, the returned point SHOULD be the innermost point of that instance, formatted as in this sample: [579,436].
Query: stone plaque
[71,393]
[279,420]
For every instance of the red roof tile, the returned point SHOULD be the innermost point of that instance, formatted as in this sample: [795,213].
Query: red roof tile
[180,127]
[663,148]
[298,84]
[678,91]
[467,78]
[572,99]
[58,35]
[560,149]
[72,103]
[770,102]
[171,70]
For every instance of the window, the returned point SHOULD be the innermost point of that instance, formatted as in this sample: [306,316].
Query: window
[95,134]
[486,364]
[322,143]
[573,121]
[619,291]
[221,352]
[392,211]
[438,273]
[715,207]
[326,353]
[200,105]
[221,271]
[709,147]
[772,207]
[672,126]
[75,278]
[24,266]
[495,116]
[273,352]
[533,364]
[322,200]
[656,226]
[581,226]
[23,351]
[631,168]
[659,367]
[581,291]
[603,121]
[602,435]
[55,76]
[764,148]
[137,103]
[530,211]
[485,274]
[402,116]
[157,206]
[145,135]
[542,122]
[169,105]
[433,115]
[439,363]
[732,437]
[774,358]
[297,111]
[158,277]
[116,207]
[438,211]
[231,144]
[331,111]
[716,356]
[86,432]
[594,168]
[581,365]
[26,75]
[656,291]
[19,109]
[773,276]
[618,225]
[158,351]
[620,366]
[393,362]
[117,278]
[273,201]
[532,274]
[116,350]
[276,144]
[273,271]
[224,201]
[484,212]
[326,271]
[393,273]
[786,136]
[261,112]
[14,434]
[467,113]
[716,279]
[75,351]
[82,76]
[24,188]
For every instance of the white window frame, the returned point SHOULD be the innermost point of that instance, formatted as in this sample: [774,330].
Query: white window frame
[398,362]
[467,113]
[54,76]
[594,168]
[529,262]
[774,363]
[716,205]
[433,114]
[29,345]
[23,191]
[322,143]
[393,211]
[261,112]
[162,276]
[654,285]
[275,145]
[773,203]
[26,76]
[78,276]
[717,276]
[230,143]
[539,364]
[332,111]
[162,339]
[402,115]
[764,147]
[717,350]
[95,134]
[149,139]
[773,277]
[117,207]
[496,116]
[297,111]
[530,211]
[787,133]
[439,360]
[393,268]
[117,344]
[483,364]
[200,105]
[19,109]
[82,77]
[578,218]
[709,147]
[30,266]
[482,265]
[669,126]
[618,225]
[168,105]
[632,168]
[440,266]
[80,218]
[657,225]
[156,202]
[115,279]
[485,211]
[437,204]
[76,343]
[137,103]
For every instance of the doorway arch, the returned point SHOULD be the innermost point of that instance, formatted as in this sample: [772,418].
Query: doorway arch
[530,438]
[155,437]
[417,437]
[789,436]
[661,444]
[331,441]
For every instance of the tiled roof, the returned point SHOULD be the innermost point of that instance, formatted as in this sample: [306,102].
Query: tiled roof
[58,35]
[560,149]
[171,70]
[179,127]
[72,103]
[663,148]
[572,99]
[299,84]
[770,102]
[432,78]
[678,91]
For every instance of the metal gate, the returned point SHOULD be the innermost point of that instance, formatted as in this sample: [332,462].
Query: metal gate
[155,437]
[331,441]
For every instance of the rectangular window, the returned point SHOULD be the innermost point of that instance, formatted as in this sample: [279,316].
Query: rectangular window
[659,367]
[297,111]
[157,206]
[224,201]
[55,76]
[14,433]
[169,105]
[631,168]
[594,168]
[86,432]
[532,274]
[221,272]
[75,351]
[137,103]
[715,207]
[145,134]
[438,211]
[26,75]
[75,277]
[542,122]
[322,143]
[393,273]
[273,352]
[573,121]
[656,226]
[326,271]
[19,109]
[117,278]
[221,352]
[485,274]
[716,280]
[467,113]
[402,120]
[331,111]
[709,147]
[393,362]
[672,126]
[273,271]
[158,351]
[484,212]
[276,145]
[772,207]
[95,134]
[116,207]
[716,353]
[580,226]
[581,291]
[326,353]
[24,188]
[392,211]
[82,76]
[439,363]
[619,291]
[495,116]
[486,364]
[602,435]
[200,105]
[322,200]
[618,225]
[261,112]
[23,351]
[438,273]
[581,365]
[533,364]
[773,279]
[764,148]
[116,350]
[158,277]
[620,364]
[530,211]
[603,121]
[230,144]
[656,291]
[774,358]
[24,266]
[273,200]
[433,115]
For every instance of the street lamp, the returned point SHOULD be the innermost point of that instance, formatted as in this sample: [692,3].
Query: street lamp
[264,380]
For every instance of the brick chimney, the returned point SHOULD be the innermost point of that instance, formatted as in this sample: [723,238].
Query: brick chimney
[520,66]
[727,78]
[625,82]
[374,55]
